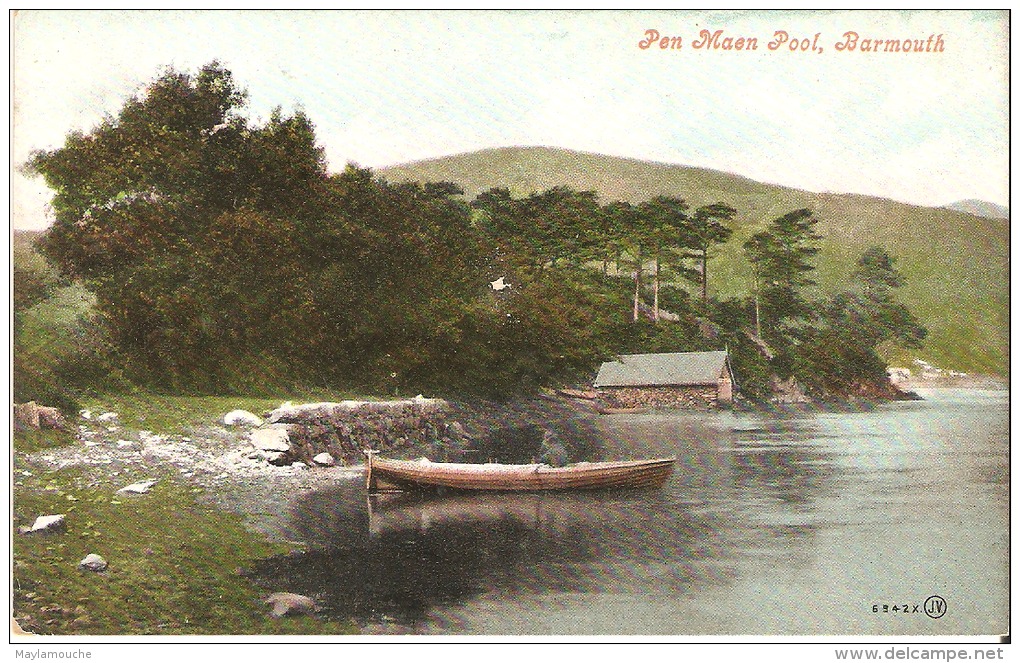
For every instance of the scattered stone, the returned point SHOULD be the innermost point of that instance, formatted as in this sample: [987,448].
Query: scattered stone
[241,418]
[298,465]
[285,603]
[148,437]
[138,488]
[107,417]
[124,443]
[93,562]
[85,414]
[274,437]
[324,459]
[54,523]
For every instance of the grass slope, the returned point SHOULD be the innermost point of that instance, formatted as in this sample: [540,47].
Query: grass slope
[956,264]
[175,565]
[980,208]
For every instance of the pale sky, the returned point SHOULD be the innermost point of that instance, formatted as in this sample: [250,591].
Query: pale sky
[389,87]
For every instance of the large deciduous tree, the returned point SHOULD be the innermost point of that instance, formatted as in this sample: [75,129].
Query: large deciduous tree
[186,221]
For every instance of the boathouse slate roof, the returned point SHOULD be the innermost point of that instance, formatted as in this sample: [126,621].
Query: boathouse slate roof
[667,369]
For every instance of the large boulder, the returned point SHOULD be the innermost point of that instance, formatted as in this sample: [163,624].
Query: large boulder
[32,416]
[324,459]
[54,523]
[274,437]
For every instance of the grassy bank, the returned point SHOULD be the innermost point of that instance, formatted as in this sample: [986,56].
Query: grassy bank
[174,562]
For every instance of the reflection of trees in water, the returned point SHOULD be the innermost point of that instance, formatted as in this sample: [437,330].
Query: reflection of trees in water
[780,477]
[775,460]
[415,552]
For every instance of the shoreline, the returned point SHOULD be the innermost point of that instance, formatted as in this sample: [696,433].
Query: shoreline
[216,458]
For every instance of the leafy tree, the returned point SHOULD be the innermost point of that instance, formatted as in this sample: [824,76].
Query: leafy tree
[181,217]
[840,356]
[667,229]
[870,308]
[706,229]
[637,236]
[781,263]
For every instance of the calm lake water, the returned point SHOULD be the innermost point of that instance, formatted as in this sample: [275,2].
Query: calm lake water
[772,524]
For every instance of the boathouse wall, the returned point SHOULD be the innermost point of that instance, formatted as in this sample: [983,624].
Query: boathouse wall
[689,397]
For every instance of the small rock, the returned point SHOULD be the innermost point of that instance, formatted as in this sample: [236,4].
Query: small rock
[241,418]
[458,429]
[276,458]
[85,414]
[324,459]
[54,523]
[285,603]
[298,465]
[92,562]
[124,443]
[107,416]
[138,488]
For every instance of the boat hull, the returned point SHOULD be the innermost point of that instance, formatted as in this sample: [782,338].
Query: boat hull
[383,474]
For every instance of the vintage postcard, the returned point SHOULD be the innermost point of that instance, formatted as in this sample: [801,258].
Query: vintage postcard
[686,327]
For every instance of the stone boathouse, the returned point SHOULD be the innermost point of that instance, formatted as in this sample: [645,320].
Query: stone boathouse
[676,379]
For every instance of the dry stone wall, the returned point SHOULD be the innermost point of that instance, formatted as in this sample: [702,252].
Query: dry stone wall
[345,430]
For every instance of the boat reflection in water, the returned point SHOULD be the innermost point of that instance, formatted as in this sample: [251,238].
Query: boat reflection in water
[400,558]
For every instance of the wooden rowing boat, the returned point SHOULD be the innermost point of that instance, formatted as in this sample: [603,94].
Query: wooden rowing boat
[385,474]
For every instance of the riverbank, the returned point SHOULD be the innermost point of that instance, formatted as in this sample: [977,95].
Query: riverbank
[982,382]
[216,506]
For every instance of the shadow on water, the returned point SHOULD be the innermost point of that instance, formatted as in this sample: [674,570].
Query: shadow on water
[744,493]
[781,459]
[395,558]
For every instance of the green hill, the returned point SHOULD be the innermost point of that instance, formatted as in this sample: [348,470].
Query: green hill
[956,263]
[980,208]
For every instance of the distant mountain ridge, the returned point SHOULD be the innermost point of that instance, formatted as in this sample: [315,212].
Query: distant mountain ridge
[956,267]
[980,208]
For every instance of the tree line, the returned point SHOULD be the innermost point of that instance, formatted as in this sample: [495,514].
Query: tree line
[225,258]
